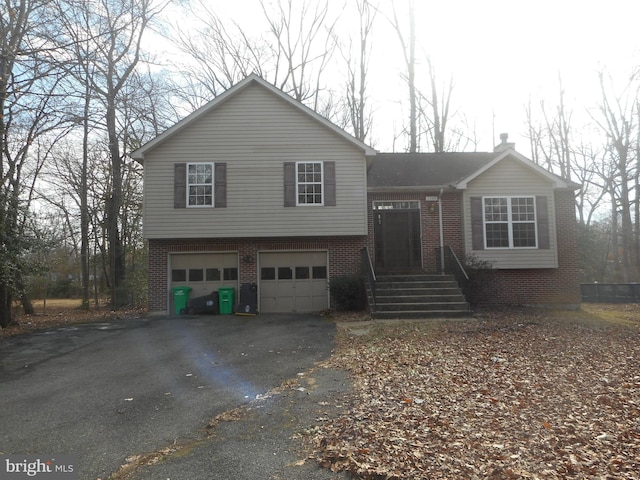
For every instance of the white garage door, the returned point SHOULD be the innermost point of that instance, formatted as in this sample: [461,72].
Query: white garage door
[293,281]
[203,272]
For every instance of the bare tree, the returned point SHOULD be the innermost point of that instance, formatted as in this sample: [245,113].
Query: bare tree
[293,55]
[636,185]
[408,45]
[358,111]
[534,134]
[221,54]
[618,121]
[107,36]
[555,147]
[31,119]
[434,111]
[552,141]
[302,42]
[593,172]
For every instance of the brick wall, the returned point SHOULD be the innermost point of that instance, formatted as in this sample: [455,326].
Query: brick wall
[344,258]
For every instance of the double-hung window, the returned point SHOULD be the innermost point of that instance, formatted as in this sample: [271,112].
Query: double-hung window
[200,184]
[510,222]
[309,183]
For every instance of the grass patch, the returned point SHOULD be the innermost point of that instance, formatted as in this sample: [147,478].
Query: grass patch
[625,314]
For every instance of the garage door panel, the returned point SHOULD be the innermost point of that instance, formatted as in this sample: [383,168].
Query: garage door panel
[269,289]
[319,287]
[284,304]
[287,281]
[203,272]
[304,304]
[268,304]
[304,289]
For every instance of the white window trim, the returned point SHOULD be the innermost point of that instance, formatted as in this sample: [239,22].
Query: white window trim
[213,185]
[321,204]
[510,222]
[396,205]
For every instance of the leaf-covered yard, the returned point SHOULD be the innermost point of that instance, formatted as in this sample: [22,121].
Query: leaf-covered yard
[507,395]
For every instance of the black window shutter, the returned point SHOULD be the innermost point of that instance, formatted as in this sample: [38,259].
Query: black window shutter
[180,185]
[477,224]
[542,217]
[220,189]
[289,184]
[330,184]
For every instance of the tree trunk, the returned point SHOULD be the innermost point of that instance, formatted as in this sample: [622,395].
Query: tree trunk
[615,251]
[411,67]
[27,306]
[409,52]
[628,250]
[5,307]
[84,203]
[116,255]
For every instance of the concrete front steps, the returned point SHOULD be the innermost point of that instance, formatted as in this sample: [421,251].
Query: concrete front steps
[419,296]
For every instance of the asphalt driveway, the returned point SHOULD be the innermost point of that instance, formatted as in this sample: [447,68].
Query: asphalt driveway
[105,391]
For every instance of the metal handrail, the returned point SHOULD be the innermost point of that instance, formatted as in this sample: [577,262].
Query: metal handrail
[453,265]
[458,264]
[367,267]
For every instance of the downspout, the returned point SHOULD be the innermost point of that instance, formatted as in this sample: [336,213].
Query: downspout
[441,232]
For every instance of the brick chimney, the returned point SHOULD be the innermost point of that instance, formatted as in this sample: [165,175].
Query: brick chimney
[504,144]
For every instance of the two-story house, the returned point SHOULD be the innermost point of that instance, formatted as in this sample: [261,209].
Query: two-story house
[256,188]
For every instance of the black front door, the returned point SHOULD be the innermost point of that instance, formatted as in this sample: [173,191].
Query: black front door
[397,239]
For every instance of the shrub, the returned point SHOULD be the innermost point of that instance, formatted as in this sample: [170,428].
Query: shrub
[480,287]
[347,293]
[62,287]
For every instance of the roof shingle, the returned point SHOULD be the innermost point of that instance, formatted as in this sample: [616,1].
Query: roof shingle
[389,170]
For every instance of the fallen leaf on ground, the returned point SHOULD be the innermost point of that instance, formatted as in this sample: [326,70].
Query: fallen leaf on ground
[518,393]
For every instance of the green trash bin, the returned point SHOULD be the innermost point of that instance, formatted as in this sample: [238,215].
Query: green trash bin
[226,299]
[180,299]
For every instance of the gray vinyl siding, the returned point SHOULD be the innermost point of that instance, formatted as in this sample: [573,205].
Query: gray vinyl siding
[511,178]
[254,133]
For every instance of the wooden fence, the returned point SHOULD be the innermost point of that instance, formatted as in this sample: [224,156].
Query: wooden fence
[610,292]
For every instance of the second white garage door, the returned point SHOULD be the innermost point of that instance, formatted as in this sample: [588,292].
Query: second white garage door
[293,281]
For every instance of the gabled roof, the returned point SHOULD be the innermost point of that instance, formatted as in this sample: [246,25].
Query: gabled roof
[406,171]
[252,79]
[556,181]
[437,170]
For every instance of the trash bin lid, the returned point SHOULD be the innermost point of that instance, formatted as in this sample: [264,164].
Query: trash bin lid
[181,290]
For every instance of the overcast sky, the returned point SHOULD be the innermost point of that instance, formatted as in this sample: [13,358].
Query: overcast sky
[499,52]
[502,52]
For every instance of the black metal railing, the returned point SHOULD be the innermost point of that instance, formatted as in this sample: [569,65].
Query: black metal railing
[610,292]
[448,259]
[367,268]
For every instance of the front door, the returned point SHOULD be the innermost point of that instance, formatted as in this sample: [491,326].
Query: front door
[397,238]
